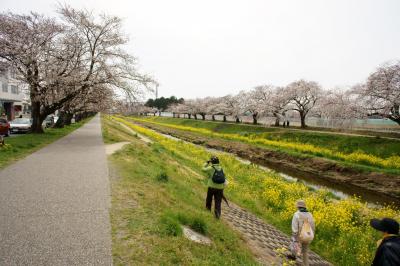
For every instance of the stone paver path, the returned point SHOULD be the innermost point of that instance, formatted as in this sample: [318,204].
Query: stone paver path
[263,238]
[54,204]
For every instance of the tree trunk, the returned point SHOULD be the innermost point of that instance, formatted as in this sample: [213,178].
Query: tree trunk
[68,119]
[37,118]
[213,117]
[224,118]
[277,122]
[255,119]
[79,117]
[195,116]
[61,120]
[237,119]
[190,116]
[203,116]
[303,120]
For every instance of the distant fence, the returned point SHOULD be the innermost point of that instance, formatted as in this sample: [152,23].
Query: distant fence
[384,125]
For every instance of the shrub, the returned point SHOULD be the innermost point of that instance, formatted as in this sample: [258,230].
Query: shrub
[162,177]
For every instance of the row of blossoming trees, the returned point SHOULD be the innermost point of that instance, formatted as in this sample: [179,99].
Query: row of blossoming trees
[379,96]
[75,63]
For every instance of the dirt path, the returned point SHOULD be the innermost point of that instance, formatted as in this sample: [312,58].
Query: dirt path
[111,148]
[143,138]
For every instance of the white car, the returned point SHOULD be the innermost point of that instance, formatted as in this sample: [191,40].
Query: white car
[20,125]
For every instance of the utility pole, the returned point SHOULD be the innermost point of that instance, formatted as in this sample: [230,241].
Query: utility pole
[159,112]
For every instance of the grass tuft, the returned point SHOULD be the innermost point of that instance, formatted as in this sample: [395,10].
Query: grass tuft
[199,225]
[162,177]
[170,226]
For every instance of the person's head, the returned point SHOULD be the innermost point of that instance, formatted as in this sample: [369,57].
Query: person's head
[301,204]
[214,159]
[386,225]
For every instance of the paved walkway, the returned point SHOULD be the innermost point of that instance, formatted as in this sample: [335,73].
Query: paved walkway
[54,204]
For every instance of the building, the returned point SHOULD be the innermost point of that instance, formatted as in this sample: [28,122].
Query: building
[13,98]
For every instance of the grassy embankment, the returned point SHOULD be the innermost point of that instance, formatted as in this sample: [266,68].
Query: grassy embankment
[363,153]
[151,197]
[343,233]
[19,147]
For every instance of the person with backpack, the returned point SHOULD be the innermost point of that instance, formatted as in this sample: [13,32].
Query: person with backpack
[388,252]
[216,183]
[303,228]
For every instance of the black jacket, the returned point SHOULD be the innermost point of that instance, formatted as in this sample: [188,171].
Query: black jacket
[388,253]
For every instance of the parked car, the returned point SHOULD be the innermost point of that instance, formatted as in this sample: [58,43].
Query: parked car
[4,127]
[20,125]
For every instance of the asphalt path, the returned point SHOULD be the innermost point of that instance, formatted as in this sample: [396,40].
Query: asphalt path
[54,204]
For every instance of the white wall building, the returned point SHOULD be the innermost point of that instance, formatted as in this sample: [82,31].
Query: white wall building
[13,98]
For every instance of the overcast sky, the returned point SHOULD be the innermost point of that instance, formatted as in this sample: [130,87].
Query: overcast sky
[218,47]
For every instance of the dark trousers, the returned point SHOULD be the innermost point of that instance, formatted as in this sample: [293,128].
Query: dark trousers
[217,194]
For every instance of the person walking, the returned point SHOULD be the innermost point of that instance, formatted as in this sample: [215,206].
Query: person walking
[216,183]
[303,228]
[388,252]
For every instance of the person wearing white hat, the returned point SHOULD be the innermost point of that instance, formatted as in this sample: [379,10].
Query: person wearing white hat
[303,229]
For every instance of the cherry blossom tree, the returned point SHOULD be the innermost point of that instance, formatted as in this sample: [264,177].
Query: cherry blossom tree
[200,107]
[231,105]
[272,100]
[381,93]
[339,107]
[303,96]
[213,106]
[252,103]
[62,59]
[179,109]
[188,108]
